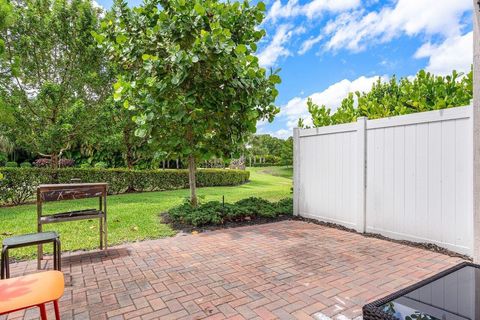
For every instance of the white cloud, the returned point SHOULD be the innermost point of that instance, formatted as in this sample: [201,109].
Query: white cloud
[331,97]
[282,133]
[277,47]
[355,30]
[277,10]
[261,123]
[455,53]
[95,4]
[312,9]
[309,43]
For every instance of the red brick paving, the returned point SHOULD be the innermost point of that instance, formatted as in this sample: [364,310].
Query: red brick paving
[284,270]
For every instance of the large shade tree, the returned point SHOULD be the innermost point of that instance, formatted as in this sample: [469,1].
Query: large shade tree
[189,74]
[53,76]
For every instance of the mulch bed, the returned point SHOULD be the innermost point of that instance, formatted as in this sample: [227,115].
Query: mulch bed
[186,228]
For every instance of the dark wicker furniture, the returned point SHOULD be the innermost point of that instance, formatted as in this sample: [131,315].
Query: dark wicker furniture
[451,294]
[30,240]
[73,191]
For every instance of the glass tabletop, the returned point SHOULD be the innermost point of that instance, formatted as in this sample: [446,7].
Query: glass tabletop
[455,296]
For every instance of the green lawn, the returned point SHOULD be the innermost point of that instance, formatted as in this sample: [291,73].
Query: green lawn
[131,217]
[285,172]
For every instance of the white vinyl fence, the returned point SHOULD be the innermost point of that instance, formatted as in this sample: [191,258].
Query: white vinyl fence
[406,177]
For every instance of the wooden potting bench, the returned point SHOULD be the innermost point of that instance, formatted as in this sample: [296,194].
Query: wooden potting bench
[72,191]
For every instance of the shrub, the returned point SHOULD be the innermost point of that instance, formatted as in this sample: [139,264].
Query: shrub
[3,159]
[25,165]
[284,206]
[11,164]
[101,165]
[46,163]
[85,165]
[214,212]
[66,163]
[19,184]
[42,163]
[257,206]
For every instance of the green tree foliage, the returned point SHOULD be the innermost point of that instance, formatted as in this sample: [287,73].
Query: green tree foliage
[6,19]
[53,75]
[115,142]
[188,73]
[286,154]
[425,92]
[263,148]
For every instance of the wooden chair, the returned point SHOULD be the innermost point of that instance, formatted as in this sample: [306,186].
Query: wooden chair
[33,290]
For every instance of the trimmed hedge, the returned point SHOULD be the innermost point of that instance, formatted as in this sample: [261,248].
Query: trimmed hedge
[19,184]
[11,164]
[215,213]
[261,165]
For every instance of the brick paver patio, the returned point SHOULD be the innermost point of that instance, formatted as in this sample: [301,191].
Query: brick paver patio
[284,270]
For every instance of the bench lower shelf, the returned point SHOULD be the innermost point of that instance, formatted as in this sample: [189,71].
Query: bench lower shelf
[72,216]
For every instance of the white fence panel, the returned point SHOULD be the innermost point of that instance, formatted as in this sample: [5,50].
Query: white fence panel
[407,177]
[419,178]
[326,174]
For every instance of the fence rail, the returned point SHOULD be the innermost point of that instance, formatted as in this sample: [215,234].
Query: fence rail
[406,177]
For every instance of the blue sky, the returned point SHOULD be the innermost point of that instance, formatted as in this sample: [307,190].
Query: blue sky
[327,48]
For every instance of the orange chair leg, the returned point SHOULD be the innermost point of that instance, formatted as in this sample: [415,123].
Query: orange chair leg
[57,311]
[43,311]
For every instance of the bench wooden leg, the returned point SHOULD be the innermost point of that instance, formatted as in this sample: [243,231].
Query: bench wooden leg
[57,310]
[59,254]
[105,233]
[55,255]
[101,232]
[43,311]
[2,263]
[7,265]
[39,248]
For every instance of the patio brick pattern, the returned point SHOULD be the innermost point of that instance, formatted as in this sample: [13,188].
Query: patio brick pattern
[284,270]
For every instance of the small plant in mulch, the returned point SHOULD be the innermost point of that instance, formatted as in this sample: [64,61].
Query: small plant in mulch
[215,213]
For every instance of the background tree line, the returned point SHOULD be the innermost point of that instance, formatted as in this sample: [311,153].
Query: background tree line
[58,68]
[265,150]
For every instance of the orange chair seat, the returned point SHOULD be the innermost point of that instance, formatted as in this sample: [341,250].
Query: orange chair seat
[30,290]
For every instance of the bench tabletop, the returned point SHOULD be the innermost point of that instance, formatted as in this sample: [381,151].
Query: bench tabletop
[71,185]
[70,191]
[32,238]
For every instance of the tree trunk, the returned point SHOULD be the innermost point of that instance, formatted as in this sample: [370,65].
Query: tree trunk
[129,161]
[129,157]
[54,161]
[192,181]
